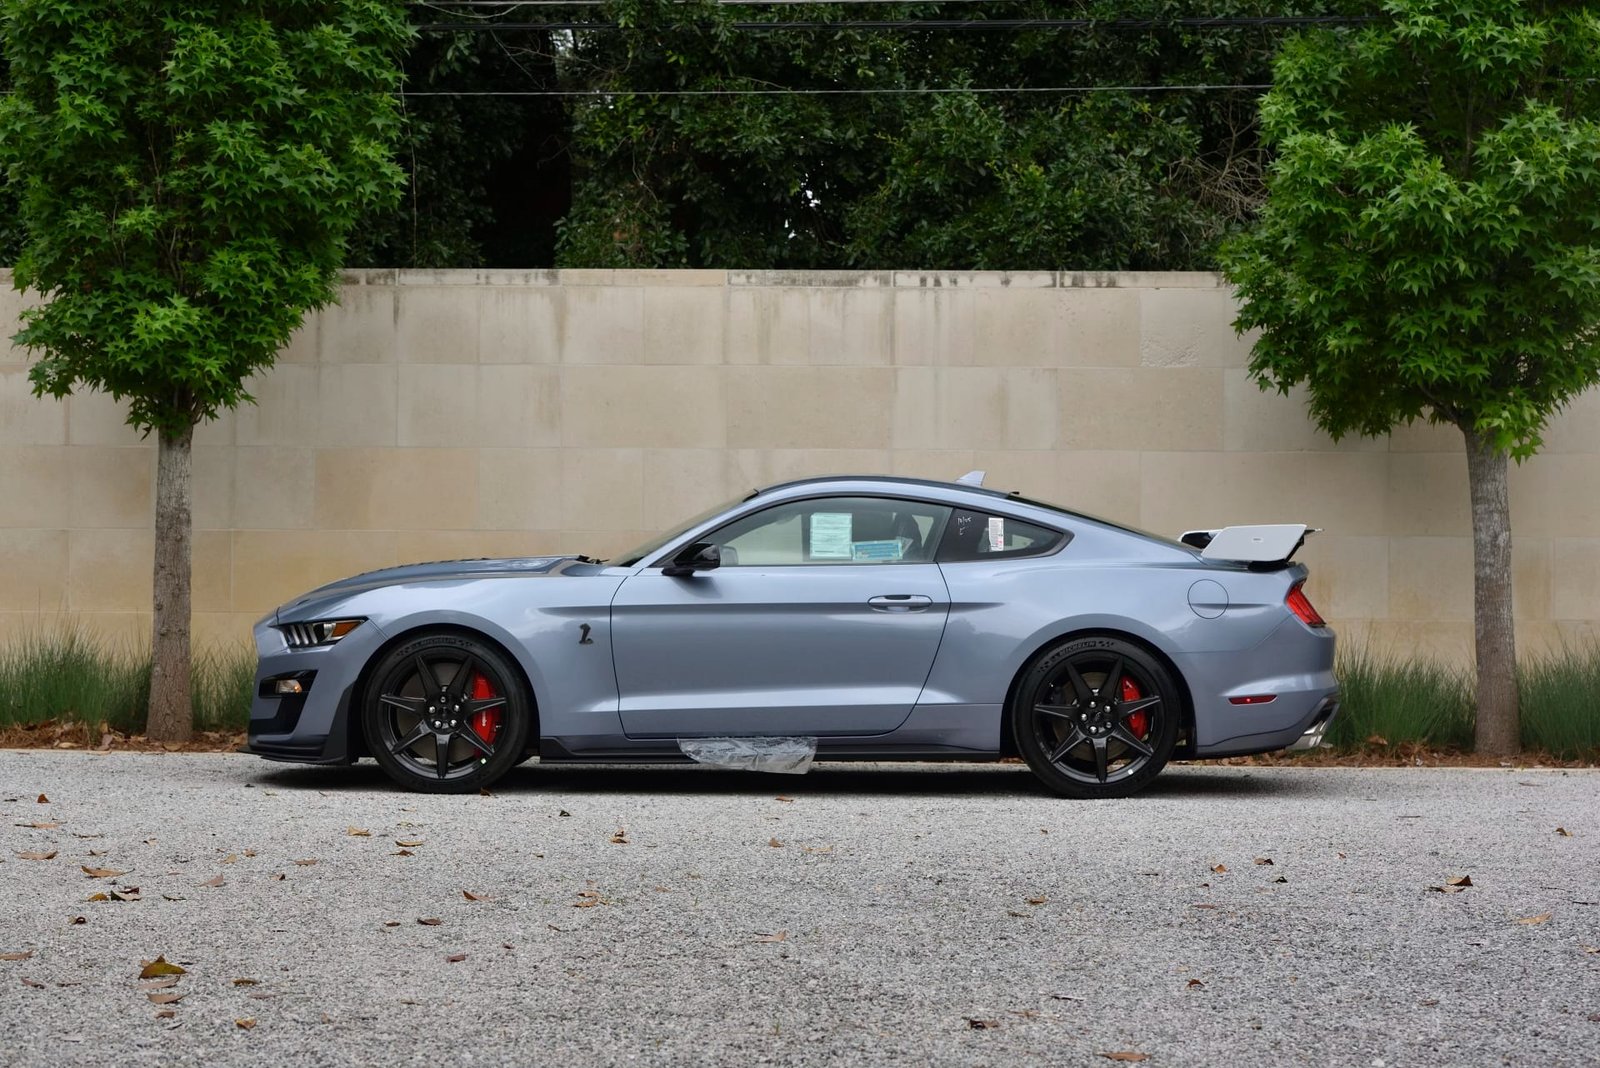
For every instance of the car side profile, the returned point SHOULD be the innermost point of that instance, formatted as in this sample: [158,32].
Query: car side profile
[868,617]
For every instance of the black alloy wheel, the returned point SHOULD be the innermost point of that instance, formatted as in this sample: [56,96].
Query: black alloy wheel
[446,713]
[1096,717]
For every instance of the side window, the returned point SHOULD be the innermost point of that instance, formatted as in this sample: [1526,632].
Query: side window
[980,536]
[834,530]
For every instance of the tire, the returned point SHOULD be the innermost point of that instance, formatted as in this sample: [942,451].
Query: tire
[446,713]
[1081,745]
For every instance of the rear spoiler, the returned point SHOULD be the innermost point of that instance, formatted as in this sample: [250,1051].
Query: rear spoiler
[1267,544]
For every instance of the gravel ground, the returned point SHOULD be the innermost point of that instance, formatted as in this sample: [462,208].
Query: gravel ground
[887,914]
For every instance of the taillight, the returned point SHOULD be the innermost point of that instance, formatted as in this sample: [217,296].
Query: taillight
[1298,603]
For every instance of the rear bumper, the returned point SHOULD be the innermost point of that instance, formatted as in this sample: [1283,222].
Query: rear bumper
[1293,666]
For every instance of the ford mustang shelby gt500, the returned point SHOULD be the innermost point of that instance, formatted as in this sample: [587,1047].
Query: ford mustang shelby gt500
[871,617]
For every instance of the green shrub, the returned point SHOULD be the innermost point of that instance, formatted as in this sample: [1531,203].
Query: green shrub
[1401,701]
[1561,702]
[65,675]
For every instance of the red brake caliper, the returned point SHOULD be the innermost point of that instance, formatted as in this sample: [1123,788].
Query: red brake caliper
[1138,723]
[485,724]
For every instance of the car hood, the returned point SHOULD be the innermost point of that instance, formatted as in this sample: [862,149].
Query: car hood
[439,571]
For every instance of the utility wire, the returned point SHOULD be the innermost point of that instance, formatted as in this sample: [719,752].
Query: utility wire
[877,25]
[910,91]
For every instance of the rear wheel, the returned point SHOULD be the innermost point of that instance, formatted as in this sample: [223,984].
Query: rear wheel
[1096,717]
[446,713]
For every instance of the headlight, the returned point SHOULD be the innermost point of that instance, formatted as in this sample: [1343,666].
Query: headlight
[321,632]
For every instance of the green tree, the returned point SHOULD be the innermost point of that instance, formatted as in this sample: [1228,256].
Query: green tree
[884,179]
[1430,249]
[188,173]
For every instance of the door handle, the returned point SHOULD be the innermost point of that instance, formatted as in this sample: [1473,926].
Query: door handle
[899,602]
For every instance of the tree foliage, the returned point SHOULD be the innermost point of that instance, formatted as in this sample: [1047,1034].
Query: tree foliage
[963,180]
[486,177]
[1430,248]
[1430,245]
[188,174]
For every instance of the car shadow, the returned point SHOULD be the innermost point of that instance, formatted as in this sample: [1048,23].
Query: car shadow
[838,780]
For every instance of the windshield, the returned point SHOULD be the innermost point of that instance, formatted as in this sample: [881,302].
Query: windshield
[634,555]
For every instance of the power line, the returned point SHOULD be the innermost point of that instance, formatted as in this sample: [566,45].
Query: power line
[909,91]
[878,25]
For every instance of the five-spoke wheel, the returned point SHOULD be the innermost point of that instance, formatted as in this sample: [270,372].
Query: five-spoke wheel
[1096,717]
[446,713]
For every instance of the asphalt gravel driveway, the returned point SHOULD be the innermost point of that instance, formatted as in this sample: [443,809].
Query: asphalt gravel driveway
[885,914]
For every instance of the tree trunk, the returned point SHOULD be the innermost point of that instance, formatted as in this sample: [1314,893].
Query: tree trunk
[1498,731]
[171,718]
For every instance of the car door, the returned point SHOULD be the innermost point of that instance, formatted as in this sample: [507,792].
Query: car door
[823,618]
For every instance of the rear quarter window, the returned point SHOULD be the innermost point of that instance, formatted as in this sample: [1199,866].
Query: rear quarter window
[974,535]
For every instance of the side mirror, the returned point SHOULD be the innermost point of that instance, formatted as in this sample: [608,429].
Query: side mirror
[701,556]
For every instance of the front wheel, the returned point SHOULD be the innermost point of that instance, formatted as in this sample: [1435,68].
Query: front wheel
[1096,717]
[446,713]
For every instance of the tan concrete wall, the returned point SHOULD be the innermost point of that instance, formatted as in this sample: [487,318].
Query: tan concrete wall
[463,413]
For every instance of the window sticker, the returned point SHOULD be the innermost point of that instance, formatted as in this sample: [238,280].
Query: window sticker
[830,535]
[997,534]
[887,549]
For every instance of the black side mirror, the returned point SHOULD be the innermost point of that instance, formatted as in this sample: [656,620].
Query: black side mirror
[701,556]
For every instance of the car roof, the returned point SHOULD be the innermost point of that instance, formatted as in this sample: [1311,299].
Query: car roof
[947,490]
[897,480]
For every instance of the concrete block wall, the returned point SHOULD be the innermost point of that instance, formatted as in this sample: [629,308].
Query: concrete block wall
[465,413]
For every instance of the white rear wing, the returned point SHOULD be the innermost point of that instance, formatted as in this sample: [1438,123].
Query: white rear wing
[1269,543]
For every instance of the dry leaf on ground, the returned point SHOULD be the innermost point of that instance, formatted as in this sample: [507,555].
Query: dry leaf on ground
[23,955]
[51,855]
[774,843]
[1563,832]
[1125,1055]
[78,919]
[1530,920]
[470,896]
[1263,860]
[430,921]
[161,982]
[43,800]
[620,837]
[169,998]
[124,893]
[100,873]
[1037,900]
[153,969]
[982,1025]
[1194,982]
[775,936]
[1219,868]
[245,982]
[407,843]
[402,853]
[358,832]
[215,880]
[245,1023]
[306,863]
[40,826]
[455,958]
[231,858]
[1459,880]
[32,982]
[589,899]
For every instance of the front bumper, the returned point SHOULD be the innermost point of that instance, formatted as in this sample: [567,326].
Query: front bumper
[318,726]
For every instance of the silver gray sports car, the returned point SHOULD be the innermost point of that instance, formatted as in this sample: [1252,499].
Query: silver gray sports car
[832,618]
